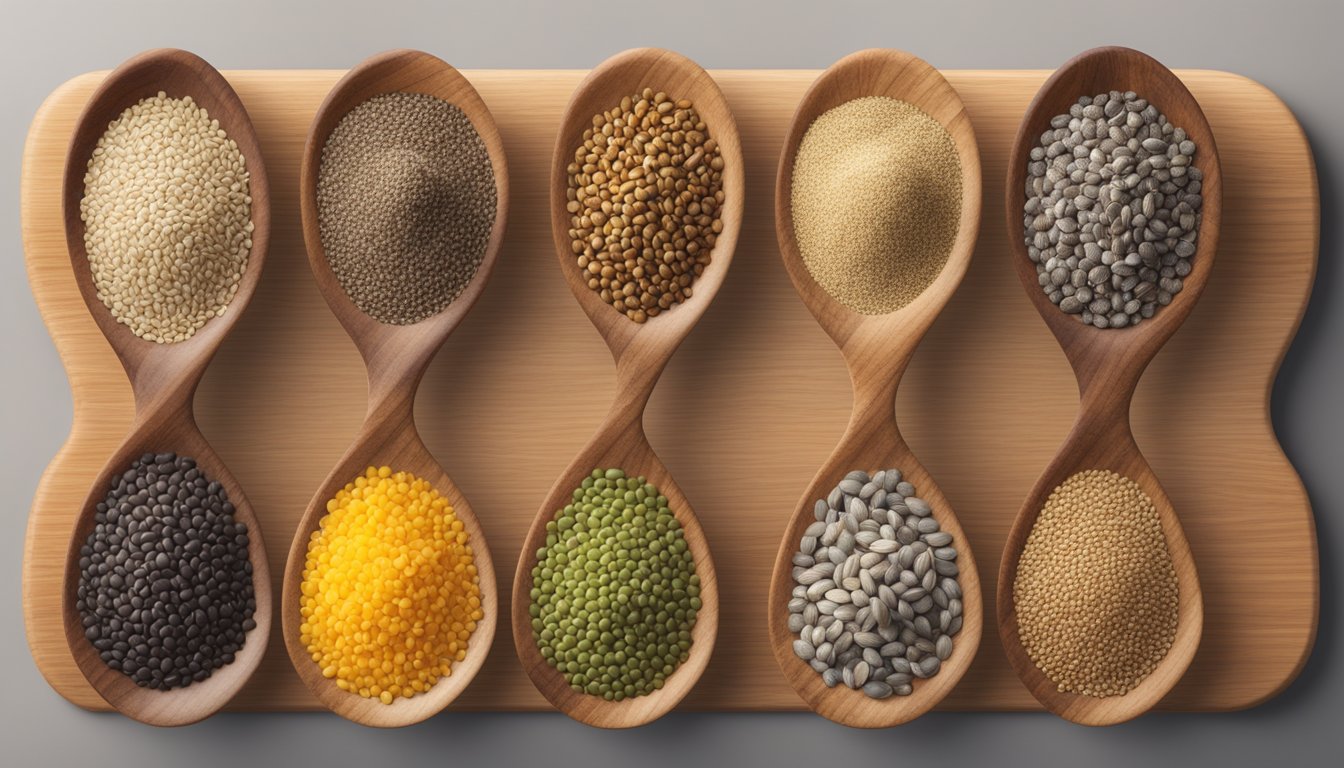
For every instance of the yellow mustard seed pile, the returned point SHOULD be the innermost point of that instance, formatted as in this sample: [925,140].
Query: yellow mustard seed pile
[390,589]
[1096,592]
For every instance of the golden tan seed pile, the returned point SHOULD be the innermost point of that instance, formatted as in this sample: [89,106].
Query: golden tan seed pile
[876,202]
[167,218]
[645,190]
[1096,593]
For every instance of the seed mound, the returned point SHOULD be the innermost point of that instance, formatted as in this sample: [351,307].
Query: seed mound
[645,191]
[406,203]
[167,218]
[877,600]
[614,591]
[390,591]
[165,585]
[1096,593]
[876,202]
[1113,209]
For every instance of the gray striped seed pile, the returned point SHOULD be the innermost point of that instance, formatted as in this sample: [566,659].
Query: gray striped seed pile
[1112,211]
[167,218]
[165,587]
[406,203]
[876,601]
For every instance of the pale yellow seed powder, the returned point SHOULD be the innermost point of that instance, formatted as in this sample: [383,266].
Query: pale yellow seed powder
[876,202]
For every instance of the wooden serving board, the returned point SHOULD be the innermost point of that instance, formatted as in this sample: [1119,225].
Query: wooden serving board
[751,405]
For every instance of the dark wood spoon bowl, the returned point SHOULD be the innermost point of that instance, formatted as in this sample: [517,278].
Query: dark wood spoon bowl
[1108,363]
[164,378]
[396,357]
[641,352]
[877,349]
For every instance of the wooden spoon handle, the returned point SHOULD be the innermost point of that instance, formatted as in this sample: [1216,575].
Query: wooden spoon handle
[162,391]
[877,361]
[1108,372]
[393,384]
[638,367]
[874,386]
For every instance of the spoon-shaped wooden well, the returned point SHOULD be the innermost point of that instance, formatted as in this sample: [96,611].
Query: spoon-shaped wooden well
[877,349]
[1108,363]
[641,352]
[164,378]
[396,357]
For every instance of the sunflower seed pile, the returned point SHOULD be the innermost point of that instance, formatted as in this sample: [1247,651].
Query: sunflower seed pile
[1112,211]
[876,600]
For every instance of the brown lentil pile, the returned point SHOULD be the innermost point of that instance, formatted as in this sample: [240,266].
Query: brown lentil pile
[876,202]
[406,202]
[645,190]
[1096,592]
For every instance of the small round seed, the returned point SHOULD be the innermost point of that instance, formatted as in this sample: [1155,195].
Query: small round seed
[1064,600]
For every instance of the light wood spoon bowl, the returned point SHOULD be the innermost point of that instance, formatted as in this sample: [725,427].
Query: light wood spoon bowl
[877,349]
[641,351]
[1108,363]
[396,357]
[164,378]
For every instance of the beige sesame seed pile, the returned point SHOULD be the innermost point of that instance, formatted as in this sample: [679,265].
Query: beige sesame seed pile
[876,202]
[645,190]
[1096,592]
[406,204]
[167,218]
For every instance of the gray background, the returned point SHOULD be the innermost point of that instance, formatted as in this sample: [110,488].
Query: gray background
[1293,47]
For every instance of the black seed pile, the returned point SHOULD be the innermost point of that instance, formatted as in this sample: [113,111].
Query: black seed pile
[165,587]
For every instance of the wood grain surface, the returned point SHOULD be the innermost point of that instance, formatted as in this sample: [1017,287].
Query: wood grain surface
[752,404]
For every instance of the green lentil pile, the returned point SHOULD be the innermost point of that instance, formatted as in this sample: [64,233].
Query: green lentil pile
[614,591]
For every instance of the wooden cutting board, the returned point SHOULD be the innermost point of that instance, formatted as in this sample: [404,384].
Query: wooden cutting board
[753,402]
